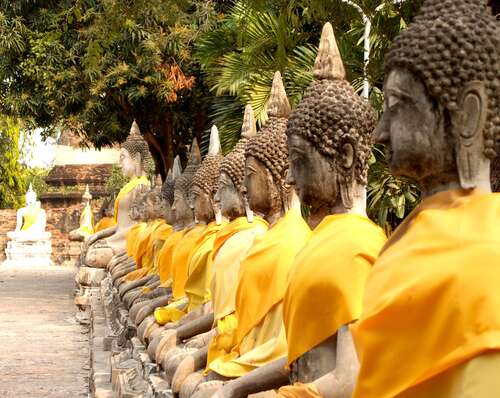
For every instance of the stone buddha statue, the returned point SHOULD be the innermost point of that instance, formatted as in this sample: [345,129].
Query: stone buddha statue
[137,293]
[260,336]
[31,221]
[86,227]
[199,267]
[154,290]
[432,296]
[135,159]
[146,211]
[186,233]
[231,246]
[329,144]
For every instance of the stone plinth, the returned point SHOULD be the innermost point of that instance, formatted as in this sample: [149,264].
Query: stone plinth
[28,253]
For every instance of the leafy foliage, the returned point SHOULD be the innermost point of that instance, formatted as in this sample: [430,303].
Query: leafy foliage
[116,181]
[36,177]
[12,183]
[389,198]
[93,66]
[258,37]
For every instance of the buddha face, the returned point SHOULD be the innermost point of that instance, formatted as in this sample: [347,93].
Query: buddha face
[418,145]
[130,166]
[168,213]
[201,204]
[30,198]
[257,185]
[311,173]
[135,211]
[228,198]
[150,205]
[181,207]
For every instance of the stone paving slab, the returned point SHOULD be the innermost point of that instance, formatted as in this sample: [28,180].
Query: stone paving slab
[44,352]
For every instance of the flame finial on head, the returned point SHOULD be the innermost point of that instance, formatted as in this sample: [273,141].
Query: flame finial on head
[177,167]
[328,64]
[278,105]
[87,195]
[248,127]
[214,147]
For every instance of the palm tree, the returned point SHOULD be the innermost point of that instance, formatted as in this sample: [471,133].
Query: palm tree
[258,37]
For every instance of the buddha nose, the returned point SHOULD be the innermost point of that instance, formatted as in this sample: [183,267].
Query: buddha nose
[217,197]
[289,179]
[381,132]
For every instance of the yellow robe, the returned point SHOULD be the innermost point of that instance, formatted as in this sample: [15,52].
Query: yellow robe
[262,284]
[157,230]
[105,222]
[165,257]
[232,245]
[145,241]
[30,217]
[199,276]
[180,259]
[197,286]
[87,220]
[299,390]
[327,280]
[132,238]
[431,321]
[127,188]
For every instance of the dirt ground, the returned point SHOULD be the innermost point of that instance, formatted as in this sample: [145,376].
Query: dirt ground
[43,350]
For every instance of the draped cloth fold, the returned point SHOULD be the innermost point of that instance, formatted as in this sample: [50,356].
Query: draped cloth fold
[327,281]
[231,246]
[127,188]
[165,257]
[180,259]
[197,284]
[155,230]
[103,223]
[432,300]
[260,335]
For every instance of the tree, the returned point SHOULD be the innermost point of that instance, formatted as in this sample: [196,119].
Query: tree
[258,37]
[94,66]
[12,173]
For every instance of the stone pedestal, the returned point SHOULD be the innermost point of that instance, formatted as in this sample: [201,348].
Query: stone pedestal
[28,253]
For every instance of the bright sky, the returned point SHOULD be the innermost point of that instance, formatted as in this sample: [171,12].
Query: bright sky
[37,152]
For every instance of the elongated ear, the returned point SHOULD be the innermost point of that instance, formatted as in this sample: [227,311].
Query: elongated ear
[468,123]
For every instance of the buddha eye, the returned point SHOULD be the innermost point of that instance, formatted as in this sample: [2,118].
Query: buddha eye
[392,101]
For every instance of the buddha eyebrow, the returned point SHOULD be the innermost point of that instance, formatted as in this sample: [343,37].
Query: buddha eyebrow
[297,149]
[400,93]
[251,168]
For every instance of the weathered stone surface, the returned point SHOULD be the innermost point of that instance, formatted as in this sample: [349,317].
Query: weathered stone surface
[39,336]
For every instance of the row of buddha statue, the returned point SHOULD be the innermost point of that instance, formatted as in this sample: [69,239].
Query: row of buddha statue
[235,293]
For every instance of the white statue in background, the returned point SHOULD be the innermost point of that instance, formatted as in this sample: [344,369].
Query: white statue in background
[31,221]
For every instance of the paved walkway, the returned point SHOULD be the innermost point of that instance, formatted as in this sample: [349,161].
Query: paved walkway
[43,350]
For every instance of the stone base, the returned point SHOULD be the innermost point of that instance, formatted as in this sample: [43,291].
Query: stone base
[91,277]
[28,253]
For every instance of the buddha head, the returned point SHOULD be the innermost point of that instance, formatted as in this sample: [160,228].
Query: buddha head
[168,189]
[30,196]
[230,192]
[135,157]
[183,212]
[205,181]
[442,96]
[137,210]
[87,196]
[153,202]
[266,154]
[329,135]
